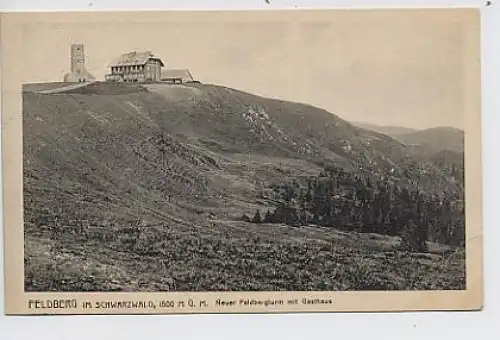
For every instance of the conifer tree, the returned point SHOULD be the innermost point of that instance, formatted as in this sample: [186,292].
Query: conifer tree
[245,218]
[268,217]
[257,218]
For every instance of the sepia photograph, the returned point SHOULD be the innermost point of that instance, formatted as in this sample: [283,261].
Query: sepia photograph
[297,152]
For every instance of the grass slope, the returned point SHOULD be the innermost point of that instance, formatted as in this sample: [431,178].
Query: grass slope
[103,160]
[236,256]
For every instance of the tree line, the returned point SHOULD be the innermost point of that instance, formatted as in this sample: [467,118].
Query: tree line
[337,198]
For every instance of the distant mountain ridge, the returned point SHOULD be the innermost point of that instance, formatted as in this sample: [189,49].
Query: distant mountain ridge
[429,140]
[386,130]
[435,139]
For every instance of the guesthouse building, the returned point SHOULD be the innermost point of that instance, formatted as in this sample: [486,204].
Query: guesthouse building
[135,67]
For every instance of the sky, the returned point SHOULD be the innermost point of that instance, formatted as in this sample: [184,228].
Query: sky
[379,67]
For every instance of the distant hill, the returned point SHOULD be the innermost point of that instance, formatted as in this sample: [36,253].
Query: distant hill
[386,130]
[434,139]
[428,140]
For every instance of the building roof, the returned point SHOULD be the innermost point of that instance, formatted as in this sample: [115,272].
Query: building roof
[176,73]
[134,58]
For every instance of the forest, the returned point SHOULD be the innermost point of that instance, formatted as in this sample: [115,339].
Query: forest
[367,204]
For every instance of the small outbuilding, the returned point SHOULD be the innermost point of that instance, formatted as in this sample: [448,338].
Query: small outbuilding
[176,76]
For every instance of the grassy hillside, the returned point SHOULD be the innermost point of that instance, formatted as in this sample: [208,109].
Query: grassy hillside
[112,144]
[234,256]
[115,171]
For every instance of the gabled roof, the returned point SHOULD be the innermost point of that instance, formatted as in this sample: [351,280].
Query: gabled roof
[176,73]
[134,58]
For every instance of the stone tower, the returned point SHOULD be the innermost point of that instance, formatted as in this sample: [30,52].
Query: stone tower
[77,58]
[78,71]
